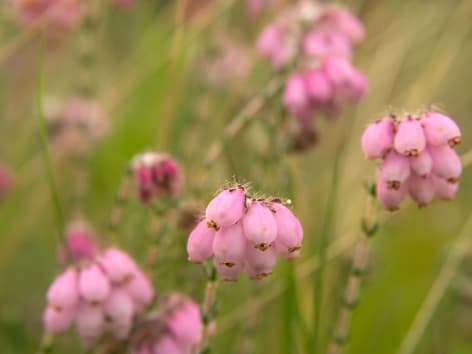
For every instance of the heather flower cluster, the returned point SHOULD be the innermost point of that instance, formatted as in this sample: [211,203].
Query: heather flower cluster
[101,292]
[156,175]
[52,17]
[176,328]
[75,124]
[245,234]
[417,157]
[318,40]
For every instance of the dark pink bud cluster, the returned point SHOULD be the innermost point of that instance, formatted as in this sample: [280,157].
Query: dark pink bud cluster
[101,293]
[318,39]
[156,175]
[75,125]
[176,328]
[81,244]
[53,17]
[245,234]
[6,181]
[418,158]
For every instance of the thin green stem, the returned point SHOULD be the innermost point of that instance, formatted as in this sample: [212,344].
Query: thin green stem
[45,148]
[318,277]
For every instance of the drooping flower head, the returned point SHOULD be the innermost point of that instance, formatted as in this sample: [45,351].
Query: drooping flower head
[101,291]
[245,233]
[156,175]
[316,39]
[417,157]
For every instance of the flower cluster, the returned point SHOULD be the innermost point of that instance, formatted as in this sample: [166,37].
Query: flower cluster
[418,157]
[245,234]
[53,17]
[318,40]
[156,175]
[75,124]
[101,292]
[176,328]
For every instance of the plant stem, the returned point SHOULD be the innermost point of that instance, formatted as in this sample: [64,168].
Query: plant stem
[43,132]
[313,344]
[360,259]
[208,308]
[121,200]
[443,280]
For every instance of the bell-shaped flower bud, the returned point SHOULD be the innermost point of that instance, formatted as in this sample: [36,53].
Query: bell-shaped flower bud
[410,140]
[259,264]
[118,265]
[296,97]
[119,306]
[395,170]
[140,290]
[440,129]
[200,242]
[446,163]
[444,189]
[317,86]
[289,228]
[259,225]
[94,286]
[378,137]
[167,345]
[421,189]
[228,271]
[80,242]
[186,325]
[390,198]
[64,292]
[227,208]
[90,323]
[57,319]
[229,245]
[422,164]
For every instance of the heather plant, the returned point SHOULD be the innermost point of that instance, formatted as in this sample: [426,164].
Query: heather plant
[154,200]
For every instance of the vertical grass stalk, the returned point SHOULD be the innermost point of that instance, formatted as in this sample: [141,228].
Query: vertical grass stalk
[369,227]
[208,308]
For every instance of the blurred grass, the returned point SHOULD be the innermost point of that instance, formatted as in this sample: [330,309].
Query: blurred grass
[416,53]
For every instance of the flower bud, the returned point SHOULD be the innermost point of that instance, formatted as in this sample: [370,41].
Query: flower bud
[446,163]
[410,140]
[289,229]
[118,265]
[444,189]
[64,291]
[57,319]
[259,225]
[282,251]
[229,244]
[94,286]
[378,137]
[140,290]
[259,264]
[319,44]
[90,322]
[118,306]
[228,271]
[395,170]
[345,22]
[81,242]
[421,189]
[440,130]
[422,164]
[227,208]
[167,345]
[317,86]
[186,325]
[390,198]
[200,242]
[296,95]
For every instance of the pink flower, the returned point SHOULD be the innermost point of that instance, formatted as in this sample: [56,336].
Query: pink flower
[228,271]
[273,43]
[348,83]
[444,189]
[94,286]
[446,163]
[421,189]
[344,21]
[186,325]
[140,290]
[227,208]
[409,139]
[259,264]
[200,242]
[390,198]
[320,44]
[317,86]
[289,229]
[90,322]
[119,267]
[57,320]
[440,129]
[259,225]
[296,97]
[395,170]
[378,137]
[167,345]
[81,244]
[64,292]
[422,164]
[229,245]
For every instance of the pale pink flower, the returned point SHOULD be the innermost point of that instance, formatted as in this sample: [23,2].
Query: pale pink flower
[390,198]
[64,292]
[90,323]
[317,86]
[259,264]
[259,225]
[320,44]
[229,245]
[422,164]
[409,139]
[444,189]
[57,319]
[200,242]
[378,137]
[395,170]
[227,208]
[289,229]
[341,19]
[94,285]
[446,163]
[118,266]
[440,129]
[421,189]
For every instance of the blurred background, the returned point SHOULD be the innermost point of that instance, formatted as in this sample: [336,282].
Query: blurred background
[170,75]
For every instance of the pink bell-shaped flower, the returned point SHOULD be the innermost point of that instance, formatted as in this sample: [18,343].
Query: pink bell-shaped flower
[421,189]
[390,198]
[228,271]
[296,97]
[167,345]
[317,87]
[200,242]
[446,163]
[444,189]
[422,164]
[410,139]
[57,320]
[90,323]
[140,290]
[229,245]
[94,286]
[378,137]
[227,208]
[440,129]
[395,170]
[64,292]
[259,264]
[289,229]
[259,225]
[118,265]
